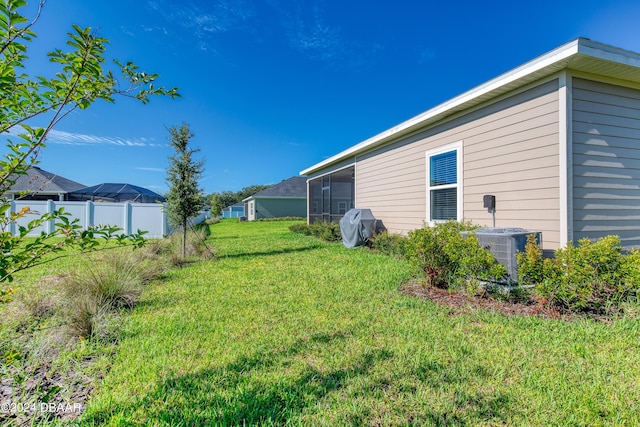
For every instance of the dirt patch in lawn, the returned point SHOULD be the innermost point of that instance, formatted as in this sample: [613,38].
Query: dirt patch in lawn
[463,303]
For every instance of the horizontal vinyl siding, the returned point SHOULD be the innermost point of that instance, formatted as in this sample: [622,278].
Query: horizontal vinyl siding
[606,161]
[510,149]
[277,208]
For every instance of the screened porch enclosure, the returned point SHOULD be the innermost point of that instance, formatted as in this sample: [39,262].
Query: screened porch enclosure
[332,195]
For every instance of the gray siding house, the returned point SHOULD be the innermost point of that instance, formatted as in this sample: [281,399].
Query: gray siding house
[39,184]
[288,198]
[556,140]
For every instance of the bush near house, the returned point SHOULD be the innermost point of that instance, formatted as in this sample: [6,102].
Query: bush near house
[327,231]
[590,277]
[390,244]
[450,260]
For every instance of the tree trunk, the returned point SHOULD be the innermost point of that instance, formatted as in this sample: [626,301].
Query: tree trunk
[184,239]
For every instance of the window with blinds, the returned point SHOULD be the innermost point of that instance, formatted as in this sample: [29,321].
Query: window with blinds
[442,186]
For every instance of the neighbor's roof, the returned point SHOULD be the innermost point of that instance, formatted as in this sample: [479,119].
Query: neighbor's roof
[119,192]
[40,181]
[580,55]
[294,187]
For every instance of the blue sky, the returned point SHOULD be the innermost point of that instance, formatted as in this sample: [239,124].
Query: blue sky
[271,87]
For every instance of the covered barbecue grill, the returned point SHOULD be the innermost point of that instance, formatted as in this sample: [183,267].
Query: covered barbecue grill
[356,227]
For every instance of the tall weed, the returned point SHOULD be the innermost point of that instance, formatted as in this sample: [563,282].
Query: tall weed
[196,245]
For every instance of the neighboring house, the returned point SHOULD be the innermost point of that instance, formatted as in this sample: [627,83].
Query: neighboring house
[39,184]
[233,211]
[556,140]
[288,198]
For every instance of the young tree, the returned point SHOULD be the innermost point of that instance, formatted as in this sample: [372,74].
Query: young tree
[82,78]
[184,199]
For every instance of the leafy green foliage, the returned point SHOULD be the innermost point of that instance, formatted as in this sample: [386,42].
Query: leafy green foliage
[449,260]
[82,79]
[301,228]
[592,276]
[184,199]
[530,262]
[20,252]
[327,231]
[389,244]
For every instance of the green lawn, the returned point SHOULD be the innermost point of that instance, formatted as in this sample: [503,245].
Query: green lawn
[284,329]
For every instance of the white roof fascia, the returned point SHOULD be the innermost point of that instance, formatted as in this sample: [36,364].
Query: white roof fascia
[608,53]
[554,57]
[279,197]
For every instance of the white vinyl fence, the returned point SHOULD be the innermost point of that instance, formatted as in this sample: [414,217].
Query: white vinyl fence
[131,217]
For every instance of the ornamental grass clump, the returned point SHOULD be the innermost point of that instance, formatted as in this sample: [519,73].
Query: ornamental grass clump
[106,285]
[449,260]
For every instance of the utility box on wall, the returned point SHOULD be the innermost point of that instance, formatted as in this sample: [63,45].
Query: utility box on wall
[504,243]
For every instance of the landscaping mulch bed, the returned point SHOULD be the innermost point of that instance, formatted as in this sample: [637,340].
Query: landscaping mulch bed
[463,303]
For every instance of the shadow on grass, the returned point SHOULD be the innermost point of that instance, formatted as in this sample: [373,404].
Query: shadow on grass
[252,390]
[274,251]
[278,388]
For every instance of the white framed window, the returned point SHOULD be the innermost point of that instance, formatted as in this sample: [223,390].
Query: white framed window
[444,183]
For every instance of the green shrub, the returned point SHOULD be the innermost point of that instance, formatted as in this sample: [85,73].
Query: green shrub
[592,276]
[449,260]
[530,262]
[301,229]
[393,245]
[328,231]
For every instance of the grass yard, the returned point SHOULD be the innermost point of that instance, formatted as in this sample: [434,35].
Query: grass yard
[285,329]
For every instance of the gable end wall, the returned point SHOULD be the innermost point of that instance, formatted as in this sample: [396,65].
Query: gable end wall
[606,161]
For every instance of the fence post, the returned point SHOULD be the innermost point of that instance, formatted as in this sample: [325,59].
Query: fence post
[165,221]
[89,212]
[51,224]
[127,218]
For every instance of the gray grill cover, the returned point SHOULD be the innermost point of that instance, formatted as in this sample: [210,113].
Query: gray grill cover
[356,227]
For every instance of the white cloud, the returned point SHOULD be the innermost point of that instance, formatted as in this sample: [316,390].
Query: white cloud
[309,31]
[203,19]
[68,138]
